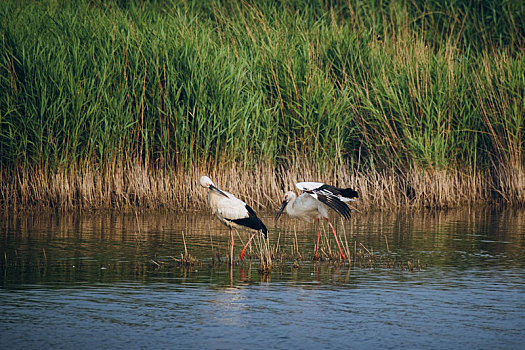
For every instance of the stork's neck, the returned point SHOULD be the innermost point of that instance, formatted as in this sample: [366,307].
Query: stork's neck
[290,208]
[213,199]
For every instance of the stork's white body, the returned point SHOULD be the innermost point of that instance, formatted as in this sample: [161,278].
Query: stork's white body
[227,208]
[305,207]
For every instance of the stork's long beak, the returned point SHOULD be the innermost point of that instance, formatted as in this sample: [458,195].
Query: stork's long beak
[283,205]
[215,189]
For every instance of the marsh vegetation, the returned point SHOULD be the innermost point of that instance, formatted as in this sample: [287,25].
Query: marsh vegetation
[126,104]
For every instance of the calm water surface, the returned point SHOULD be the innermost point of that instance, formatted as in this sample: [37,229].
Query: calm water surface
[108,280]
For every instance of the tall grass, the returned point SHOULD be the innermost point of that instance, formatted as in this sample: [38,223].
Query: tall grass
[107,104]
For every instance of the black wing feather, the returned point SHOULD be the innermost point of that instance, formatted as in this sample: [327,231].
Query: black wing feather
[252,221]
[334,203]
[343,192]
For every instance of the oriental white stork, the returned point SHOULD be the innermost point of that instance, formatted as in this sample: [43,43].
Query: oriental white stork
[232,212]
[314,202]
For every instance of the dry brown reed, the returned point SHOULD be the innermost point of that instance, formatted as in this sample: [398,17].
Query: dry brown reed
[126,185]
[266,256]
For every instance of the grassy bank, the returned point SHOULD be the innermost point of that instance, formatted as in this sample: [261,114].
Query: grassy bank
[125,105]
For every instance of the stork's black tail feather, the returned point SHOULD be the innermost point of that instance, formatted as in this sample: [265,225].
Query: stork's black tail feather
[349,193]
[253,222]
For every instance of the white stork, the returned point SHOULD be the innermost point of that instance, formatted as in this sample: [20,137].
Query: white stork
[314,203]
[232,212]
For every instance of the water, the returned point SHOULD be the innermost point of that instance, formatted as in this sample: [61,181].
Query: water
[108,280]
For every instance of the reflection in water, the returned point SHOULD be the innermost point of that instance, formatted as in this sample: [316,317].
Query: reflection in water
[105,247]
[116,275]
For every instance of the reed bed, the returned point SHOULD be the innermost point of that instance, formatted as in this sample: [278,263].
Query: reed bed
[127,104]
[135,186]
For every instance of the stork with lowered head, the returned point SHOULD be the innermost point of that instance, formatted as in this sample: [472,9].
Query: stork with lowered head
[314,202]
[233,212]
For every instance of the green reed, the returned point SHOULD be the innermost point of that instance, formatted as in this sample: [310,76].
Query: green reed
[378,84]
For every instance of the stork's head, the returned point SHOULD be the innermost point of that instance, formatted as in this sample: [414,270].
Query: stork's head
[288,197]
[205,182]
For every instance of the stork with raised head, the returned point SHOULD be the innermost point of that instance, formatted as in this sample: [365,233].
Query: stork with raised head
[314,202]
[232,212]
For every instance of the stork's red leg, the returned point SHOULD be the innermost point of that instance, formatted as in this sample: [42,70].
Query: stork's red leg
[242,253]
[318,235]
[336,240]
[231,247]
